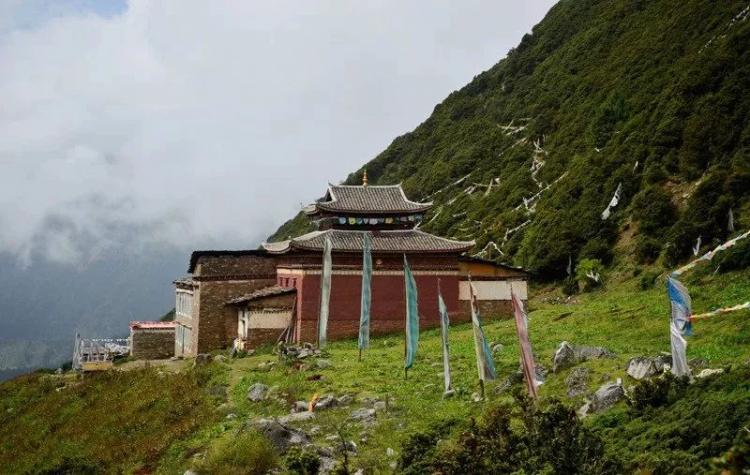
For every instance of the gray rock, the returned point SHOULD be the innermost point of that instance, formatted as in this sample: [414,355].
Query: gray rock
[297,417]
[300,406]
[568,355]
[221,358]
[345,400]
[327,402]
[363,414]
[231,416]
[564,357]
[577,381]
[380,406]
[605,397]
[190,472]
[497,348]
[202,359]
[708,372]
[280,435]
[647,366]
[257,392]
[322,364]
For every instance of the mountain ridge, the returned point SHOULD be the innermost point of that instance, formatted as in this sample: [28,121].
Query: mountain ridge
[526,157]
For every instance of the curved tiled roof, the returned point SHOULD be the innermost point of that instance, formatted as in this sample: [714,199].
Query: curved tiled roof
[374,199]
[390,241]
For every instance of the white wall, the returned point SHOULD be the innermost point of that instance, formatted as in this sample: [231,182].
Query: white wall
[493,289]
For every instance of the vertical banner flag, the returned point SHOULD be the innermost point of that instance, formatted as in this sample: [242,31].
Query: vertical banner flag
[444,324]
[679,352]
[527,355]
[364,316]
[681,303]
[325,293]
[679,325]
[485,364]
[412,316]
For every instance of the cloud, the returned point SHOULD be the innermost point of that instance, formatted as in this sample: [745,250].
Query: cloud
[208,123]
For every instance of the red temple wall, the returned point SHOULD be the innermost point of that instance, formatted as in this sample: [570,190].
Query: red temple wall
[388,308]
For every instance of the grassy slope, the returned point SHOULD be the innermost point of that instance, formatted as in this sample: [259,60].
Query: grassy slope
[148,419]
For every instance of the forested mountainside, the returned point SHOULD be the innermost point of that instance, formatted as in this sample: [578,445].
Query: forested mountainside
[648,97]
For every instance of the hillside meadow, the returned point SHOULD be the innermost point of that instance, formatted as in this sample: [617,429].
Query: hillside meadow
[165,419]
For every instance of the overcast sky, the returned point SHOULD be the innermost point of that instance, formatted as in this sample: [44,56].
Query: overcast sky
[208,123]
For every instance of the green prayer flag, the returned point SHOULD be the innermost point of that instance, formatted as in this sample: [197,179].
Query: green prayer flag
[412,316]
[364,316]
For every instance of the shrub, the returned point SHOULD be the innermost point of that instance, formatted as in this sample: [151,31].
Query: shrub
[656,392]
[246,453]
[648,280]
[647,249]
[585,269]
[736,257]
[302,461]
[512,438]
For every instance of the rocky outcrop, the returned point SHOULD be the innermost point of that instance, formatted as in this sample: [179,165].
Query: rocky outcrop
[568,355]
[642,367]
[257,392]
[605,397]
[280,435]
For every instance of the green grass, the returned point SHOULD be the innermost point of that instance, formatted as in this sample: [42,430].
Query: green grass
[147,420]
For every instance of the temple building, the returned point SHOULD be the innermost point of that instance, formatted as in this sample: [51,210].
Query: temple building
[248,298]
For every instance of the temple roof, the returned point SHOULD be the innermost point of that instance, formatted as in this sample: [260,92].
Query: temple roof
[375,199]
[264,292]
[386,241]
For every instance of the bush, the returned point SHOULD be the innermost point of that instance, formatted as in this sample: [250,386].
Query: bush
[302,461]
[512,438]
[736,257]
[647,249]
[589,267]
[648,280]
[656,392]
[247,453]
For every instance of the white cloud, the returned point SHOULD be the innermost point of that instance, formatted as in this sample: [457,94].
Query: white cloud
[208,123]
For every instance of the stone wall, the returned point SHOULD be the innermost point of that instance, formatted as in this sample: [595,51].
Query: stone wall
[217,279]
[233,265]
[217,321]
[152,344]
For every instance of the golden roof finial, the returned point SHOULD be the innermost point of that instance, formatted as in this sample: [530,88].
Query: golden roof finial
[364,178]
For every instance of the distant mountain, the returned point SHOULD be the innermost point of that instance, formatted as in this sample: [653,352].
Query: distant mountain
[42,306]
[647,102]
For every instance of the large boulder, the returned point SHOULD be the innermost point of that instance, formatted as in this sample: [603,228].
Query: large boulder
[642,367]
[568,355]
[327,402]
[257,392]
[280,435]
[297,417]
[577,381]
[605,397]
